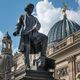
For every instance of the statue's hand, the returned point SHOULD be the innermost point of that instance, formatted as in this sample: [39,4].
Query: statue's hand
[15,33]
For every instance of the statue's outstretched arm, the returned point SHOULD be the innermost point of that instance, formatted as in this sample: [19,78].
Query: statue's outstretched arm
[18,25]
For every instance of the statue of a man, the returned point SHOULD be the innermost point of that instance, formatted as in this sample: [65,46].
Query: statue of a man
[29,25]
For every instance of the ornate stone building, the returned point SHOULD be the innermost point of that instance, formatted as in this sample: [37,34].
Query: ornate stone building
[19,67]
[6,58]
[64,47]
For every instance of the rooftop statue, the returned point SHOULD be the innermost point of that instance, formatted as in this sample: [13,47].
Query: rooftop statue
[31,41]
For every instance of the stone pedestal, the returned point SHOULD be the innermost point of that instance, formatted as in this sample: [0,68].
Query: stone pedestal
[37,75]
[42,71]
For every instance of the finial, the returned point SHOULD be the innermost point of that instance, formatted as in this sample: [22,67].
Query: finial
[7,32]
[64,9]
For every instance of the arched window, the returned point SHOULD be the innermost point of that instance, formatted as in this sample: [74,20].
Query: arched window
[4,45]
[9,45]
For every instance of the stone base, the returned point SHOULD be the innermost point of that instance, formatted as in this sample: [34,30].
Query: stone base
[37,75]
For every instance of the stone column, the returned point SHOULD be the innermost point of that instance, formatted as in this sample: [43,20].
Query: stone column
[71,67]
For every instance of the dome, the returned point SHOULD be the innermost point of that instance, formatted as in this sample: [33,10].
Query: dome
[7,36]
[62,29]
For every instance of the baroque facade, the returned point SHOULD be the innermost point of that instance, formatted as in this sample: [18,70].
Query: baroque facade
[64,48]
[67,56]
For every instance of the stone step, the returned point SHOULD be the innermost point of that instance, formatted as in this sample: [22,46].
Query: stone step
[36,78]
[38,73]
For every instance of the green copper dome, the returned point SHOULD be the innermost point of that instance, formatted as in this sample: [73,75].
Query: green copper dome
[62,29]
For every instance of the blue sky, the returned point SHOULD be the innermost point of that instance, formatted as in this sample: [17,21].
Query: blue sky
[10,10]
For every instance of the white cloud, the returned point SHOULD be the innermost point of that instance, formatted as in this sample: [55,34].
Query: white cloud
[48,15]
[78,2]
[73,15]
[15,50]
[1,37]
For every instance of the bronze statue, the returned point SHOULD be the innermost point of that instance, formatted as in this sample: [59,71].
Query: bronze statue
[31,42]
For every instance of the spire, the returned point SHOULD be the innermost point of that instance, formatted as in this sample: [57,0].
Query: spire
[6,44]
[7,35]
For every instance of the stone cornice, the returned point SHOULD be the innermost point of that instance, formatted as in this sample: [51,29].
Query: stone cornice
[65,44]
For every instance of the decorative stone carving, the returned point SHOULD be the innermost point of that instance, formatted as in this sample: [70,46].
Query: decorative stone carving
[78,67]
[78,76]
[62,72]
[70,59]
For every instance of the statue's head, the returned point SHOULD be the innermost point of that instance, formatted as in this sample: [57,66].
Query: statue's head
[29,8]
